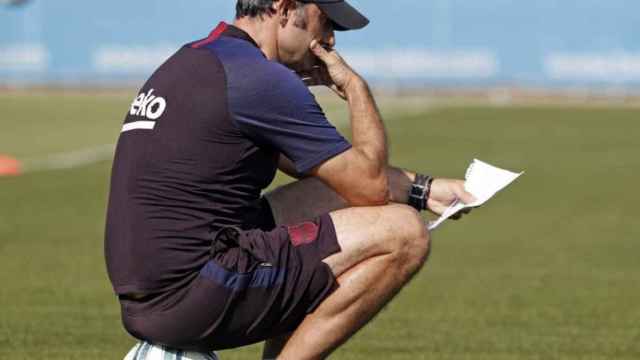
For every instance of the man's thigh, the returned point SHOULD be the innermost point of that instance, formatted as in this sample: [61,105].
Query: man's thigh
[362,232]
[366,232]
[303,200]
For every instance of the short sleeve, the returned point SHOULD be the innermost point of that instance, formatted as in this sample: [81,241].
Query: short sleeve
[272,106]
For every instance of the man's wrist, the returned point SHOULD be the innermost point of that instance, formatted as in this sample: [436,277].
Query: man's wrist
[420,191]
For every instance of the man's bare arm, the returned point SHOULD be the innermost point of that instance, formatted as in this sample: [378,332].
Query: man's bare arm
[399,180]
[359,174]
[311,197]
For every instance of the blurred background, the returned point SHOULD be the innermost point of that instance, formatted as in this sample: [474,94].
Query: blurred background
[546,43]
[549,269]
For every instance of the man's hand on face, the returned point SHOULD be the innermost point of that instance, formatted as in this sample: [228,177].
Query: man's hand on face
[332,71]
[444,192]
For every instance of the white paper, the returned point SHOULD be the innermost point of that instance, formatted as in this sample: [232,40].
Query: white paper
[483,181]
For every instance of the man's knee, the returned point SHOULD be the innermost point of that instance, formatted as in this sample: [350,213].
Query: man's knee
[396,231]
[411,241]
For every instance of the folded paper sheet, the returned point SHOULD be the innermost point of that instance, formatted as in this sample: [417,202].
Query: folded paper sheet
[483,181]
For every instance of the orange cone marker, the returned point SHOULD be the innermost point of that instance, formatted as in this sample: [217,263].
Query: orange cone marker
[9,166]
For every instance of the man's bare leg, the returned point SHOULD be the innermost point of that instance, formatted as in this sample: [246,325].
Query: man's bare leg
[382,247]
[293,203]
[303,200]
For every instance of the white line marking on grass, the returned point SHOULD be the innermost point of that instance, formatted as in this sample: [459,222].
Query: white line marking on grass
[69,160]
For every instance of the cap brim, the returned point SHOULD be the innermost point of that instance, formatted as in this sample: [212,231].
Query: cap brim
[344,16]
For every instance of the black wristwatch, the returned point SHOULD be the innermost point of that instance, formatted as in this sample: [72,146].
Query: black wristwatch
[420,190]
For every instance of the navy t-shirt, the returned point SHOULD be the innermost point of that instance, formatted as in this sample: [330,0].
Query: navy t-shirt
[198,145]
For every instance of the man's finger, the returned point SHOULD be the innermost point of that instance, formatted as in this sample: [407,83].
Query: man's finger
[465,196]
[319,51]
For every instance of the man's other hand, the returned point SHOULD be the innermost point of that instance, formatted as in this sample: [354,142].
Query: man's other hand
[444,192]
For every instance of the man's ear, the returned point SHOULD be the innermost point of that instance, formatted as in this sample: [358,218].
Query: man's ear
[284,7]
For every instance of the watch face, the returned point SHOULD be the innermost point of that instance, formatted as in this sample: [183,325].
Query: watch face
[12,2]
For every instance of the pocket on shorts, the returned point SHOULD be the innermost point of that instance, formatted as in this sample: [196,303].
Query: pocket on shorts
[227,252]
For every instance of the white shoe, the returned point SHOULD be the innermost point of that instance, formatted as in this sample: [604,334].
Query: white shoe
[147,351]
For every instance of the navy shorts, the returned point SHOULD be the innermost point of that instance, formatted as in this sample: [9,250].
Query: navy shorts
[257,285]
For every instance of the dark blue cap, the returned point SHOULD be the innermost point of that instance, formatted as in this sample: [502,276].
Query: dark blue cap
[344,16]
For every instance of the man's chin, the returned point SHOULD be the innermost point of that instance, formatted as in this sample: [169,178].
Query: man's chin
[305,64]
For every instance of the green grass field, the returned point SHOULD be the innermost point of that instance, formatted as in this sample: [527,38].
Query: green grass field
[549,269]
